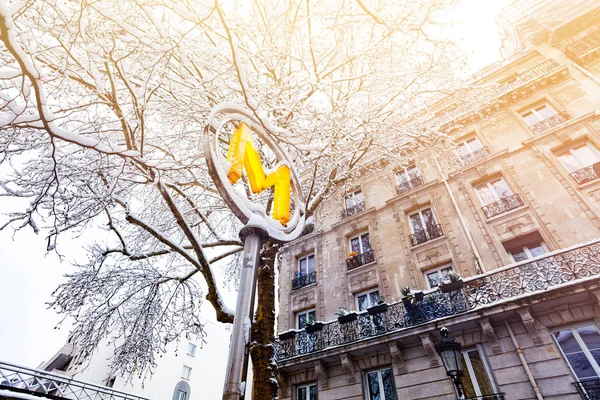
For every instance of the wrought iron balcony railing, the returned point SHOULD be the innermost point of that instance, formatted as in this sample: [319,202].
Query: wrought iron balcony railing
[493,396]
[502,206]
[476,155]
[304,280]
[415,181]
[26,380]
[588,389]
[587,174]
[514,281]
[583,50]
[348,211]
[551,122]
[360,259]
[430,233]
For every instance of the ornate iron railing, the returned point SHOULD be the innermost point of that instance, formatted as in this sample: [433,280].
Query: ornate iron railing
[360,259]
[502,206]
[25,380]
[348,211]
[493,396]
[474,156]
[584,47]
[415,181]
[430,233]
[550,122]
[587,174]
[524,278]
[588,389]
[304,280]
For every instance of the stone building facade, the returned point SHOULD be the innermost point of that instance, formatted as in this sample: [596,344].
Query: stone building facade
[518,221]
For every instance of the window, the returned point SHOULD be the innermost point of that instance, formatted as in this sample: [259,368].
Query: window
[353,199]
[437,275]
[307,392]
[579,161]
[493,191]
[476,380]
[380,385]
[538,114]
[191,350]
[366,299]
[110,382]
[469,146]
[526,247]
[186,372]
[360,243]
[181,395]
[423,226]
[303,317]
[580,346]
[407,174]
[306,265]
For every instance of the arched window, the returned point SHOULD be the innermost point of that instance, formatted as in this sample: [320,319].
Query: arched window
[182,391]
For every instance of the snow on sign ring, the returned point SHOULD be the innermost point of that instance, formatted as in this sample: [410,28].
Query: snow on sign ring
[234,142]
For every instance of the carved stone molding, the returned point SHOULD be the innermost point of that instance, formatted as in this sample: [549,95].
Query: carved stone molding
[349,367]
[430,349]
[304,300]
[437,251]
[397,359]
[363,280]
[514,225]
[322,374]
[597,295]
[490,335]
[529,322]
[565,313]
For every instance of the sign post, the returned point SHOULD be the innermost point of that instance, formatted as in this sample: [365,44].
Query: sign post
[280,225]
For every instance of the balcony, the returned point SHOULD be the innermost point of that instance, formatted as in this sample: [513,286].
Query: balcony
[304,280]
[360,259]
[504,205]
[588,389]
[432,232]
[587,174]
[474,156]
[414,182]
[586,49]
[551,122]
[514,282]
[355,209]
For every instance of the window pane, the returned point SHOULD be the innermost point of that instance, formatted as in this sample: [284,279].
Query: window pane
[590,336]
[519,255]
[434,279]
[581,365]
[464,149]
[358,197]
[428,217]
[366,242]
[474,145]
[388,384]
[374,297]
[313,392]
[586,156]
[355,245]
[530,118]
[467,381]
[566,341]
[302,318]
[413,172]
[501,188]
[311,264]
[544,112]
[537,250]
[486,195]
[570,163]
[402,177]
[363,302]
[312,315]
[481,376]
[415,221]
[302,266]
[302,393]
[373,382]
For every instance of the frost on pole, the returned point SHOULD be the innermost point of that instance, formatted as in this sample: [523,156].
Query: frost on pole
[285,220]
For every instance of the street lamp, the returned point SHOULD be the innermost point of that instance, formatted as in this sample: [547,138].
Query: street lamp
[449,350]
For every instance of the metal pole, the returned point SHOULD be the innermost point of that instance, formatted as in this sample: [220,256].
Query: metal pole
[237,363]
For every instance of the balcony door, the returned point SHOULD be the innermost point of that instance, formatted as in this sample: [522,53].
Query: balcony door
[537,114]
[367,299]
[469,146]
[422,221]
[354,199]
[380,385]
[477,380]
[306,265]
[361,243]
[493,191]
[579,157]
[406,174]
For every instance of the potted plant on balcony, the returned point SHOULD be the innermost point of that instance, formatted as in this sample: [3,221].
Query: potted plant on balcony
[344,316]
[408,297]
[287,334]
[378,308]
[313,326]
[454,282]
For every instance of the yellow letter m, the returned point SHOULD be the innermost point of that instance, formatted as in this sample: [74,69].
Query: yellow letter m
[242,154]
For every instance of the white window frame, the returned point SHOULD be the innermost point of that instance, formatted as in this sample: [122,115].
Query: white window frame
[189,372]
[488,184]
[380,380]
[191,349]
[360,244]
[352,195]
[434,270]
[532,110]
[571,152]
[299,313]
[367,293]
[526,250]
[307,386]
[302,258]
[420,212]
[180,393]
[471,371]
[464,143]
[581,344]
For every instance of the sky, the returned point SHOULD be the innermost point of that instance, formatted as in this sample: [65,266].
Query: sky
[28,274]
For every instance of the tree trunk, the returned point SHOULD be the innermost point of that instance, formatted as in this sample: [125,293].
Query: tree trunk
[264,384]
